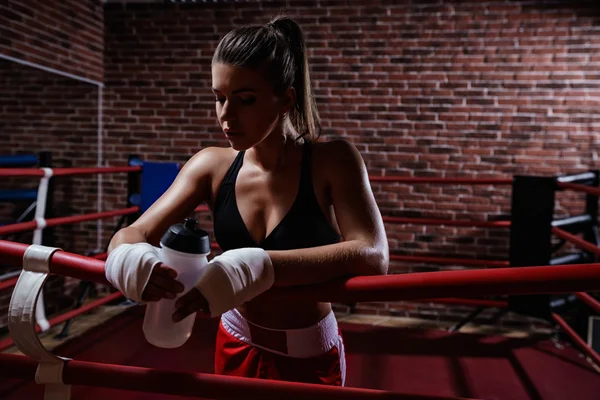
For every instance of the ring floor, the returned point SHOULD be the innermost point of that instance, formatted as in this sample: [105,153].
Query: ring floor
[406,360]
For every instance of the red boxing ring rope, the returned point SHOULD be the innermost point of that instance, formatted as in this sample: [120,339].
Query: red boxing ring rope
[451,261]
[193,384]
[423,285]
[66,171]
[576,338]
[13,281]
[31,225]
[465,283]
[592,248]
[398,179]
[62,263]
[447,222]
[580,188]
[469,302]
[8,283]
[442,181]
[101,256]
[589,301]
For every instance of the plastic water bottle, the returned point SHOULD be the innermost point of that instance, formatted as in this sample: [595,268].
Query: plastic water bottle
[185,249]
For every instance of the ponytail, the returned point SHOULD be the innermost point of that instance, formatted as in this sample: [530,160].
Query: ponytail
[305,117]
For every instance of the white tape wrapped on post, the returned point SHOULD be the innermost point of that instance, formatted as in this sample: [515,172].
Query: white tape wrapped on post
[21,322]
[40,219]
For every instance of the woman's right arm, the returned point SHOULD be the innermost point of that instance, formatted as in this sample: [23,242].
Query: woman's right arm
[132,265]
[191,187]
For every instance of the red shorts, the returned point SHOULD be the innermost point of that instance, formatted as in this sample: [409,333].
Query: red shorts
[308,355]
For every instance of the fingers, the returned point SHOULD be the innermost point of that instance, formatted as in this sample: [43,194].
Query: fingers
[153,292]
[191,302]
[166,283]
[162,284]
[164,270]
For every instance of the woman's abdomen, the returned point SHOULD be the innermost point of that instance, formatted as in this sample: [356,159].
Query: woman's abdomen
[283,315]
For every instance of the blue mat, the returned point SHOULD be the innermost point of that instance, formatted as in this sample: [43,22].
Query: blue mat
[18,160]
[18,194]
[156,179]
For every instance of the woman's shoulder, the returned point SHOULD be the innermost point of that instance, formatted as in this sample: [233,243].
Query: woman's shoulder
[335,153]
[212,156]
[211,161]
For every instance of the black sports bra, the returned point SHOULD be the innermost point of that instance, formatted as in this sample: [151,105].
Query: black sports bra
[303,226]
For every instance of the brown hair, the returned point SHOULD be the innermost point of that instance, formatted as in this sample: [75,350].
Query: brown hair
[279,47]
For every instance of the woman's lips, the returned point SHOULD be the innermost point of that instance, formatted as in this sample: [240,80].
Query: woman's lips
[230,133]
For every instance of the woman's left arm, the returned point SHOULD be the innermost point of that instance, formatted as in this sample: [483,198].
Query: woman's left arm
[364,250]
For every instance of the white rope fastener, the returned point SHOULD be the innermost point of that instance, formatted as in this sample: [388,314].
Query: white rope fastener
[41,224]
[40,219]
[40,208]
[21,322]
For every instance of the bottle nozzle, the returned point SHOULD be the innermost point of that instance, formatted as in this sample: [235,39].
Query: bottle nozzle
[190,223]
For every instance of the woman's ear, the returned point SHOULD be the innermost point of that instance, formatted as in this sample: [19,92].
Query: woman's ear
[288,100]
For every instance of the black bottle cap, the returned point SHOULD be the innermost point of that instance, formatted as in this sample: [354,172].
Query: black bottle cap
[186,238]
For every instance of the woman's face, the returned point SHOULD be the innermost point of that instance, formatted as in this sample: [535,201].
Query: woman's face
[247,107]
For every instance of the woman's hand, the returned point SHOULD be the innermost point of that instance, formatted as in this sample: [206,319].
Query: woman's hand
[228,281]
[162,284]
[189,303]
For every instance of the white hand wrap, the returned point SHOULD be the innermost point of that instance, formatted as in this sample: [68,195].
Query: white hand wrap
[235,277]
[128,268]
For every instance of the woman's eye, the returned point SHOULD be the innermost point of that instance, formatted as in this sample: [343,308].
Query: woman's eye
[248,100]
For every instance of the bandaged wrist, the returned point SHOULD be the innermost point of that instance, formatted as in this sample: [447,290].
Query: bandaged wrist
[235,277]
[128,268]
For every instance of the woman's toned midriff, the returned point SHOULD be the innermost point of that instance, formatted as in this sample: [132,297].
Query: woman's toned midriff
[284,315]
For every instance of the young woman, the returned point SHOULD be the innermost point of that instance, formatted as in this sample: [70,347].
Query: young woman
[287,211]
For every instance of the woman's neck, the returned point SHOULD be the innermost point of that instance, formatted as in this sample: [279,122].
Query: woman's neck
[273,153]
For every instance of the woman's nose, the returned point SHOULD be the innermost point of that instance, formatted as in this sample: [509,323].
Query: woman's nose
[227,111]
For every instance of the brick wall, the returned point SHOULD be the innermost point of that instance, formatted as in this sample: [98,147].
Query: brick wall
[64,35]
[438,88]
[43,111]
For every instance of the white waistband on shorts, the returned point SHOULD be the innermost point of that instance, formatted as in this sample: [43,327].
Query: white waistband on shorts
[301,343]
